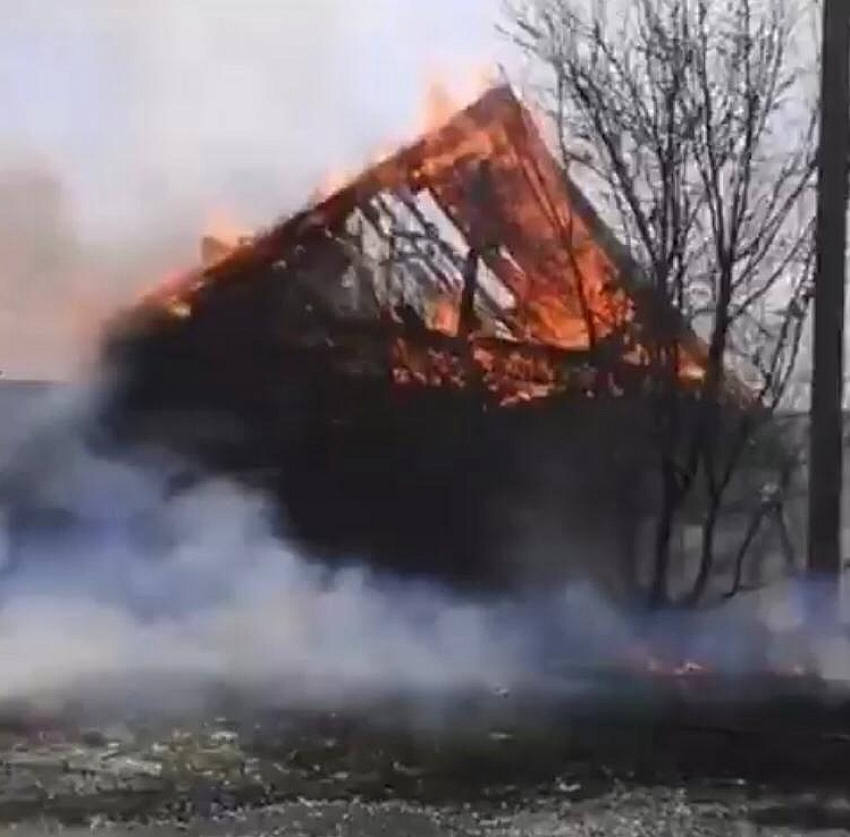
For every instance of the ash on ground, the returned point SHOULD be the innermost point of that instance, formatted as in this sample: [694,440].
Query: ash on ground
[620,756]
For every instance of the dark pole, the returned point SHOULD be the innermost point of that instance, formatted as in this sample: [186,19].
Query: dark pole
[825,475]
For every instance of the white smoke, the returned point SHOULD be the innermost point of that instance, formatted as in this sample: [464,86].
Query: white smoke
[127,129]
[123,126]
[137,583]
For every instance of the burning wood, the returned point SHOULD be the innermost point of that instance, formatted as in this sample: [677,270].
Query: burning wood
[466,275]
[476,214]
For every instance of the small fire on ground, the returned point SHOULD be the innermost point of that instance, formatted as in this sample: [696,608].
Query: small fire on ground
[643,662]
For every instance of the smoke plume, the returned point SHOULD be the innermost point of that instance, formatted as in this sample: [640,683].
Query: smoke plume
[127,129]
[125,571]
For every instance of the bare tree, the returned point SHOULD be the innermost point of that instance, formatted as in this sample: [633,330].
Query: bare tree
[687,121]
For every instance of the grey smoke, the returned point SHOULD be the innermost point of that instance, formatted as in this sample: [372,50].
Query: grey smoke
[122,126]
[144,586]
[133,123]
[141,583]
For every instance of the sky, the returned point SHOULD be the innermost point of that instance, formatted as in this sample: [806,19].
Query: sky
[141,124]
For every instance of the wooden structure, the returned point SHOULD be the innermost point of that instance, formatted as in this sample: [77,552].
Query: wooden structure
[435,368]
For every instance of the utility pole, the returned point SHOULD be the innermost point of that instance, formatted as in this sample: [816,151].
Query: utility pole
[825,465]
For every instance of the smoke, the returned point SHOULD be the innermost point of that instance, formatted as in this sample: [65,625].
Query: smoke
[135,581]
[124,566]
[123,570]
[124,128]
[127,128]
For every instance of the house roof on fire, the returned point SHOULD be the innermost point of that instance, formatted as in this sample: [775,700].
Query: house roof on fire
[551,273]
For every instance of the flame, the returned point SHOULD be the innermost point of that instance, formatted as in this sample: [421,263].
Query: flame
[448,88]
[438,106]
[437,109]
[426,366]
[564,283]
[515,377]
[222,225]
[173,293]
[221,235]
[443,315]
[332,181]
[511,376]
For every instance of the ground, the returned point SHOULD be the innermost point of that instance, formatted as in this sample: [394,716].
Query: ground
[644,756]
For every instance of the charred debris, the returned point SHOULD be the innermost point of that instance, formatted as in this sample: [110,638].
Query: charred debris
[440,368]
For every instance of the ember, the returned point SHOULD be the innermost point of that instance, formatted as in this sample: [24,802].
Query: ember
[483,181]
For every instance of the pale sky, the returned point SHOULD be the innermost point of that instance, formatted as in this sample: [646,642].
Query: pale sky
[153,114]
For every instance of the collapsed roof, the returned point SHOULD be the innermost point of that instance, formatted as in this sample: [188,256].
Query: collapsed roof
[472,232]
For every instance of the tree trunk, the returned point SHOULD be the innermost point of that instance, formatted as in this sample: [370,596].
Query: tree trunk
[659,594]
[706,559]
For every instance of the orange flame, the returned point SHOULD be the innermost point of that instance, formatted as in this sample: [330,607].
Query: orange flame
[223,226]
[562,280]
[443,315]
[333,180]
[439,106]
[443,100]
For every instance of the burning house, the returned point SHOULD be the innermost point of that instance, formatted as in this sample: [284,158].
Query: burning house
[438,368]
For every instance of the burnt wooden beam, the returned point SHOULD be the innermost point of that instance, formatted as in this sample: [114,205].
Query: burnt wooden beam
[466,322]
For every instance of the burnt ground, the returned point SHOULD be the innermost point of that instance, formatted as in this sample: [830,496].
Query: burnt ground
[630,756]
